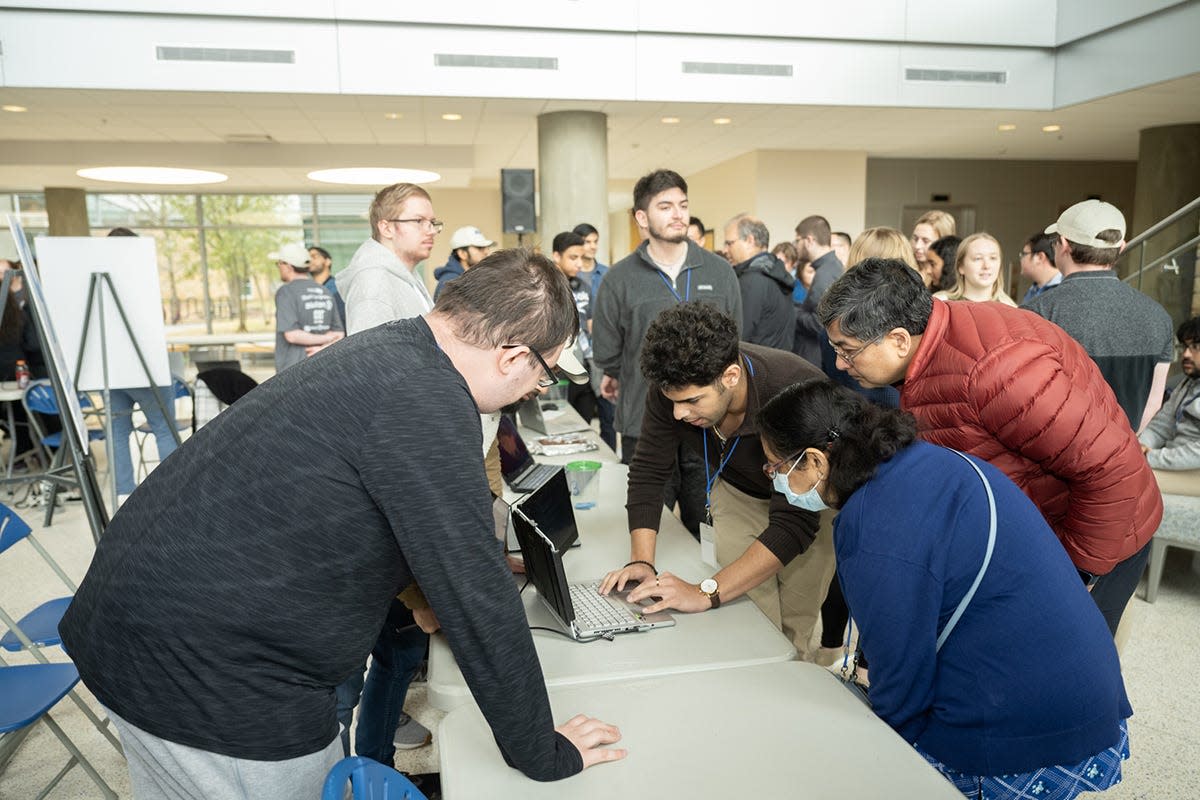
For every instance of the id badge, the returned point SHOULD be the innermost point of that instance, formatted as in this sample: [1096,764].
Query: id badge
[708,545]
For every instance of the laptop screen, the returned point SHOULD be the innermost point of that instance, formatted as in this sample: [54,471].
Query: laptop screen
[544,566]
[514,455]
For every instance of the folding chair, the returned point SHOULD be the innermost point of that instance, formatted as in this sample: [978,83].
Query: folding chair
[39,628]
[39,399]
[216,390]
[143,432]
[369,780]
[27,693]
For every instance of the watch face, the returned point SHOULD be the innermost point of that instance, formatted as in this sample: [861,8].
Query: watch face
[708,585]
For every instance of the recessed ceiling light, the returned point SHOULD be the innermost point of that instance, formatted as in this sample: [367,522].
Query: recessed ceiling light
[722,121]
[1051,128]
[170,176]
[374,176]
[670,120]
[14,109]
[1005,127]
[393,115]
[452,117]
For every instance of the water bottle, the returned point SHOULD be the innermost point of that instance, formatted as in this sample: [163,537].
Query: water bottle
[23,375]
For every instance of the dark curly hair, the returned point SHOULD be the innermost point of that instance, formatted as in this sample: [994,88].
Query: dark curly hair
[946,249]
[689,344]
[1188,331]
[856,435]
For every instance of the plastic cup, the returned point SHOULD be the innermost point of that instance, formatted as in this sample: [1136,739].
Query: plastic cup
[583,479]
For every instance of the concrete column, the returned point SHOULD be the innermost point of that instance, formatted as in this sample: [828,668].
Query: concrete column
[1168,178]
[67,211]
[573,175]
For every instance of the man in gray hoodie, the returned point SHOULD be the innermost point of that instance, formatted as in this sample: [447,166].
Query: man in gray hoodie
[378,285]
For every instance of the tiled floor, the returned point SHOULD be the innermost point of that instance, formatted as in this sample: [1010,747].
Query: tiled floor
[1158,658]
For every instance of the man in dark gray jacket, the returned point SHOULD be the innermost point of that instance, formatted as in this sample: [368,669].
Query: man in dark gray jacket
[815,245]
[665,269]
[768,315]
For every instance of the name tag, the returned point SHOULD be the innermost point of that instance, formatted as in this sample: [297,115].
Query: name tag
[704,287]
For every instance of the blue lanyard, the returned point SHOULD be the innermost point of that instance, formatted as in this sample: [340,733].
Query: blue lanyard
[687,292]
[711,480]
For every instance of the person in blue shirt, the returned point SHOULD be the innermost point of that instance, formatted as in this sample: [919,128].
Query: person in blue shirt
[989,709]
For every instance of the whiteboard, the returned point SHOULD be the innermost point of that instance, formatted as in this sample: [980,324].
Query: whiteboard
[66,265]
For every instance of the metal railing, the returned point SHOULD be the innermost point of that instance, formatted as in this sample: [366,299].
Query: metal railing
[1142,238]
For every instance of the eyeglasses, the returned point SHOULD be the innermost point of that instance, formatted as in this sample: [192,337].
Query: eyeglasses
[849,355]
[1026,253]
[551,378]
[423,224]
[1183,347]
[771,470]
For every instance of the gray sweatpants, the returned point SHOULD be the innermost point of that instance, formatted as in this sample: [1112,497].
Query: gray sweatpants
[163,770]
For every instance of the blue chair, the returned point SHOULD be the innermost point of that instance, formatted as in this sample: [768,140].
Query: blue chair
[142,433]
[369,780]
[39,628]
[39,399]
[27,693]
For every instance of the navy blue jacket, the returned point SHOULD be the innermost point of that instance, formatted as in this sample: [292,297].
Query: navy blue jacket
[1029,677]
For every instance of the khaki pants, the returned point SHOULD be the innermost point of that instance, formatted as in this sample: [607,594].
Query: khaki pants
[1183,481]
[792,598]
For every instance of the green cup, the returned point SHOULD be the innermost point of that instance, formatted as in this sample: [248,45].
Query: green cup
[583,479]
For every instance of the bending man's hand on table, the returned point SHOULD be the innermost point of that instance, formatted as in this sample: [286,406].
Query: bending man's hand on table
[589,735]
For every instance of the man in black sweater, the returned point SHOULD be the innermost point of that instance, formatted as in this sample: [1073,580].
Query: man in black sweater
[705,389]
[224,605]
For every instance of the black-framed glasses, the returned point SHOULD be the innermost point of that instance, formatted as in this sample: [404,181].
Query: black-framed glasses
[849,355]
[1026,253]
[423,224]
[551,378]
[773,469]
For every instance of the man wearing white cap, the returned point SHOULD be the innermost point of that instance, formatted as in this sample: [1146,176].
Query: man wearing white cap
[468,246]
[306,317]
[1128,335]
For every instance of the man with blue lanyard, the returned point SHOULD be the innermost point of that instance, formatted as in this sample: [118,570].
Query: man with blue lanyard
[666,269]
[707,389]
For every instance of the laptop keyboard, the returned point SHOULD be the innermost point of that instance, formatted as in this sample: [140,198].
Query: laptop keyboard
[594,612]
[538,475]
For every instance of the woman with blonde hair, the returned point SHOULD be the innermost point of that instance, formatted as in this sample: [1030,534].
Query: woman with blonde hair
[931,226]
[979,266]
[881,243]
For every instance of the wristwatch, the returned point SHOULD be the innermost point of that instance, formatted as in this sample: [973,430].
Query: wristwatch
[709,587]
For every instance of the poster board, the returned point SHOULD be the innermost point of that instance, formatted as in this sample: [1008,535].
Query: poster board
[66,266]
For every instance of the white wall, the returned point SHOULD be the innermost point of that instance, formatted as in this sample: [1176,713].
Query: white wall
[850,53]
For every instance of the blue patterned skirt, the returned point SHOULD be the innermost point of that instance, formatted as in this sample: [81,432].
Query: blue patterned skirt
[1094,774]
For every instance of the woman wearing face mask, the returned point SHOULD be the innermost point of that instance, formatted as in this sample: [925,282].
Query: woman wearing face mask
[982,704]
[979,266]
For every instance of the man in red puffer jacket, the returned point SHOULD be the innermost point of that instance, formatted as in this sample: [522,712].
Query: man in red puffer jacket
[1009,387]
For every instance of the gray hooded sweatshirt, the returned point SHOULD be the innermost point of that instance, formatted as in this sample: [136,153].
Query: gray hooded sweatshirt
[378,287]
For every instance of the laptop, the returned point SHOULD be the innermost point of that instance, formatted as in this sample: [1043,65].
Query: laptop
[545,528]
[522,474]
[532,416]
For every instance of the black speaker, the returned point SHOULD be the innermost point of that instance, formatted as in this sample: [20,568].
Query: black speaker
[516,200]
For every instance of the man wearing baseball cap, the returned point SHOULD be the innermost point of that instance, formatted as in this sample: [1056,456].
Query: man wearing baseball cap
[468,246]
[306,317]
[1127,334]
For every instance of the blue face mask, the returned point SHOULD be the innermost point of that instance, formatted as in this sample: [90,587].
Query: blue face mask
[809,501]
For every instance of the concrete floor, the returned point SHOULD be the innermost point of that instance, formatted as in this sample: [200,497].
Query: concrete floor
[1163,638]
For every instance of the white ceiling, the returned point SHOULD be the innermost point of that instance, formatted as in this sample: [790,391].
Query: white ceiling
[65,129]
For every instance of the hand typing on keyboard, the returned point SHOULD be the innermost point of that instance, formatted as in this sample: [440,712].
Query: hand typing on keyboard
[673,593]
